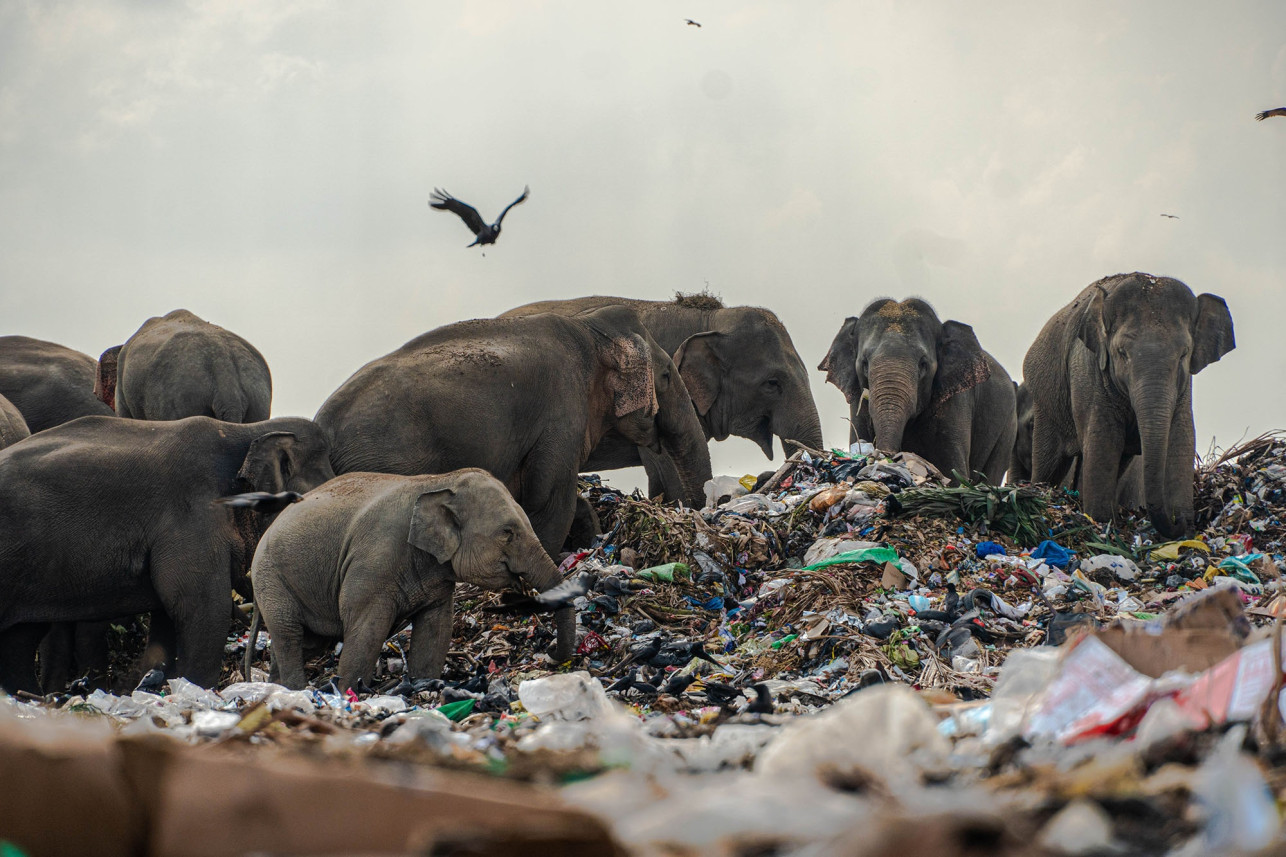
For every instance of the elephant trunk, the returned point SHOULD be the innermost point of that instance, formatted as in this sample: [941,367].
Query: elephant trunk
[543,575]
[1154,406]
[798,420]
[893,393]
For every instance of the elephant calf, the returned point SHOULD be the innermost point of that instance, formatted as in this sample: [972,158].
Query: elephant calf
[359,556]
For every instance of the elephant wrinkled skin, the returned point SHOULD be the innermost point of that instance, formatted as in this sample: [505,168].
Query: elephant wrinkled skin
[104,517]
[925,386]
[360,556]
[48,383]
[738,364]
[13,427]
[1110,376]
[179,365]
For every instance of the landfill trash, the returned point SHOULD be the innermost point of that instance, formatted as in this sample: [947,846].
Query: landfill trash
[883,649]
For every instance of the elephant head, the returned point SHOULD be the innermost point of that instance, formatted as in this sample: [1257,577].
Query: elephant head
[746,379]
[472,525]
[1148,336]
[105,377]
[650,404]
[907,361]
[290,455]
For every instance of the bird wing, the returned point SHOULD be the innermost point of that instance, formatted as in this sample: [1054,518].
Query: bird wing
[444,201]
[1276,111]
[566,592]
[525,192]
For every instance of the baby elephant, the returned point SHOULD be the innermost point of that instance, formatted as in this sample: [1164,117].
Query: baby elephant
[364,553]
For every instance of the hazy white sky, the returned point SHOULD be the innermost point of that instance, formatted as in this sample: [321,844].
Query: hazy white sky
[268,166]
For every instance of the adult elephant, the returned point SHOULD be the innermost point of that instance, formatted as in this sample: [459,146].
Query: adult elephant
[48,383]
[179,365]
[13,427]
[918,384]
[1129,494]
[738,364]
[102,518]
[1111,376]
[526,399]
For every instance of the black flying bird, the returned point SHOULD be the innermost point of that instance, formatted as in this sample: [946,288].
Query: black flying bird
[1276,111]
[691,23]
[262,501]
[444,201]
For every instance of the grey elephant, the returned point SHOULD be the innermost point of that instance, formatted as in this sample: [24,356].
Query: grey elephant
[13,427]
[1110,376]
[917,384]
[738,364]
[48,383]
[179,365]
[104,517]
[363,554]
[1129,488]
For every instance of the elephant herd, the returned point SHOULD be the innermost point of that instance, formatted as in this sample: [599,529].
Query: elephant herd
[455,457]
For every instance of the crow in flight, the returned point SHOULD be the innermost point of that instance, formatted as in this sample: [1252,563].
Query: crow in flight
[1171,216]
[1276,111]
[486,234]
[691,23]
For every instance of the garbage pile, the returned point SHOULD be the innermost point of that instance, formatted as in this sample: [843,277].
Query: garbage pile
[854,657]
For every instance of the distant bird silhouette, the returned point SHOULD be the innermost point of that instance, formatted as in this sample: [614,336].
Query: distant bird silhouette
[1276,111]
[678,683]
[444,201]
[1171,216]
[691,23]
[261,501]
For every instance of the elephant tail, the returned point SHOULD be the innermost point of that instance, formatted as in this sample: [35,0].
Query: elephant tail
[230,405]
[256,622]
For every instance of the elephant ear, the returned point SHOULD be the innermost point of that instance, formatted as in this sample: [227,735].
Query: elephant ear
[632,382]
[840,363]
[1212,334]
[962,365]
[269,462]
[105,377]
[435,528]
[1093,328]
[701,368]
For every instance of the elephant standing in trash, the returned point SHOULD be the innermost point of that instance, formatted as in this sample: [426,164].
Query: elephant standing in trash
[104,517]
[1110,376]
[366,552]
[179,365]
[48,383]
[738,365]
[526,399]
[917,384]
[1129,489]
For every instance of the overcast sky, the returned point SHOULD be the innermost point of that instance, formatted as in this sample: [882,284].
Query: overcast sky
[268,166]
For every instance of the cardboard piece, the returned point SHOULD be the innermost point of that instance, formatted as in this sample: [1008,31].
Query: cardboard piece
[894,577]
[1173,649]
[67,790]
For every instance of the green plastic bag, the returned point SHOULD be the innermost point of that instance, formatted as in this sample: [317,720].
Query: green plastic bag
[664,573]
[880,555]
[457,711]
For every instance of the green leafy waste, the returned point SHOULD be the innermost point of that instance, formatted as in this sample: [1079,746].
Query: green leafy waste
[1017,511]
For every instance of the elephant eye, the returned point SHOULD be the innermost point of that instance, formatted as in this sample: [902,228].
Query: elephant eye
[773,386]
[507,534]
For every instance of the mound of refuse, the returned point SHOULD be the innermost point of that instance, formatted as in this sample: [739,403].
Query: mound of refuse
[857,657]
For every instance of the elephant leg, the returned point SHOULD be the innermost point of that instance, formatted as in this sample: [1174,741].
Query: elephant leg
[56,657]
[1050,463]
[162,644]
[551,511]
[430,640]
[286,654]
[198,599]
[1180,471]
[1100,465]
[18,647]
[662,476]
[997,462]
[585,526]
[365,631]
